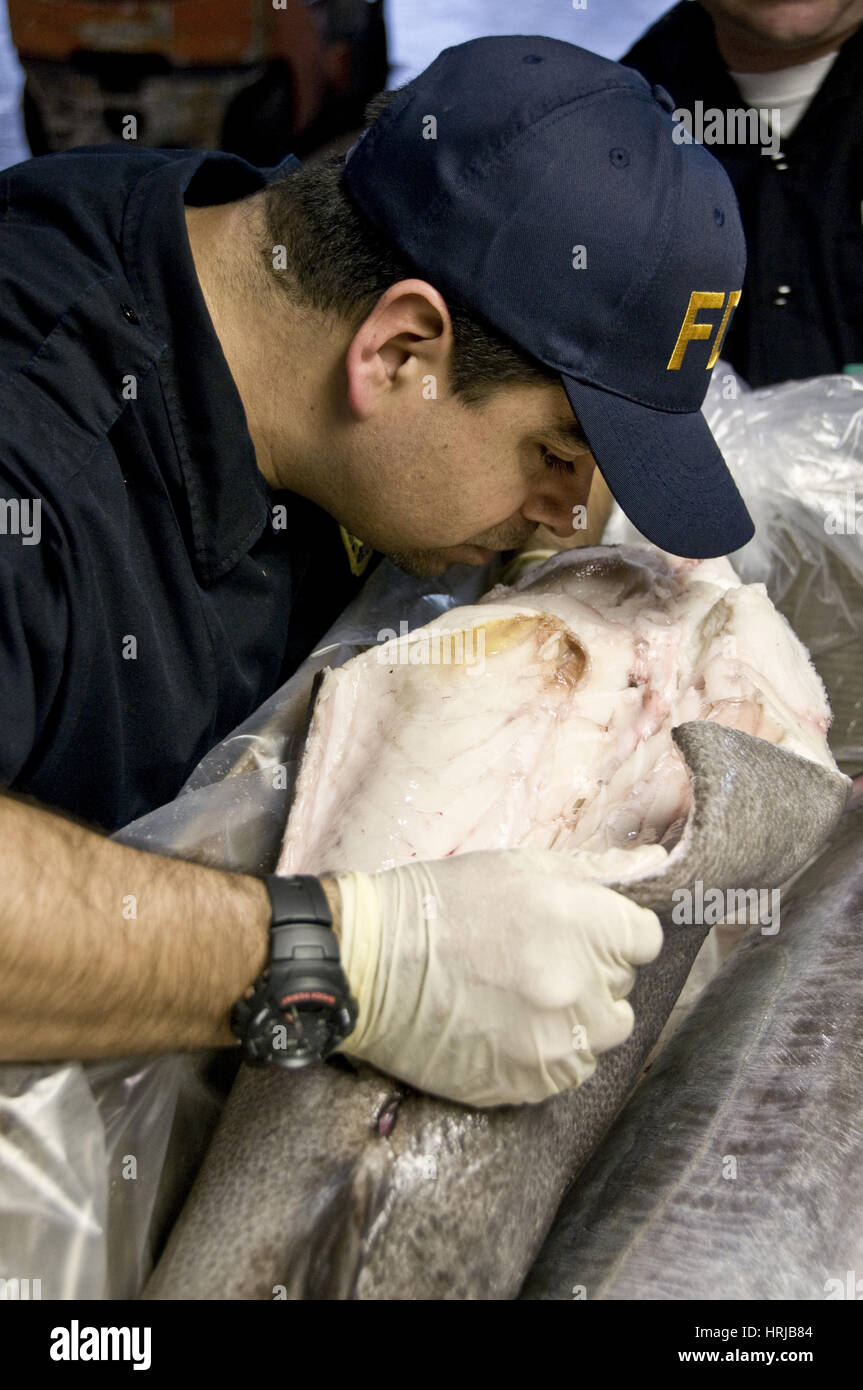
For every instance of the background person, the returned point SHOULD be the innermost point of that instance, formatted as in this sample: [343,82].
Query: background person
[801,313]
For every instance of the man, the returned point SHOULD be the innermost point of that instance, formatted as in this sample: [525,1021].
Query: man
[206,401]
[797,170]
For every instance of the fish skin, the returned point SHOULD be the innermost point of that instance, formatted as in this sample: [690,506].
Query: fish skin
[652,1215]
[856,798]
[300,1189]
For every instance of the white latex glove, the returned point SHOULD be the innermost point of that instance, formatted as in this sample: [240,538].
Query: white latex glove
[493,977]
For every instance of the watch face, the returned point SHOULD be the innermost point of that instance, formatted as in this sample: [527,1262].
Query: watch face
[304,1033]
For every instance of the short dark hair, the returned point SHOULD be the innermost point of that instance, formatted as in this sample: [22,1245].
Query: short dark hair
[338,262]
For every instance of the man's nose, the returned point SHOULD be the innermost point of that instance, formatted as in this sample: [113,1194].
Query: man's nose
[555,503]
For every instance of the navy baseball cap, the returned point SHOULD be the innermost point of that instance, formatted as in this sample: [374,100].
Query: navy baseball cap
[541,186]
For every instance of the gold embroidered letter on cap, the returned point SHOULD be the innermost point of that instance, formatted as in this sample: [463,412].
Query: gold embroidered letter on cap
[691,328]
[733,301]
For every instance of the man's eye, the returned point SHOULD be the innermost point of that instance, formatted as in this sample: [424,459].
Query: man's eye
[558,464]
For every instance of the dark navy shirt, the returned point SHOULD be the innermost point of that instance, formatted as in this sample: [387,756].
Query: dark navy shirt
[147,601]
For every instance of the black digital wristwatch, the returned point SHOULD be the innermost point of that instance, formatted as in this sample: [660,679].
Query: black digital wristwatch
[301,1006]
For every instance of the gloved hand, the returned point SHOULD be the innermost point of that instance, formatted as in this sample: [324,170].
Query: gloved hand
[493,977]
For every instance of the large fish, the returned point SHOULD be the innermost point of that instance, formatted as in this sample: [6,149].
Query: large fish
[736,1170]
[338,1182]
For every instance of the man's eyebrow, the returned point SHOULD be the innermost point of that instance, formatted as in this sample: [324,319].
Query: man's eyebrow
[566,436]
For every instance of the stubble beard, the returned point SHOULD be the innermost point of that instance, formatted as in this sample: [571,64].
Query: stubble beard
[421,564]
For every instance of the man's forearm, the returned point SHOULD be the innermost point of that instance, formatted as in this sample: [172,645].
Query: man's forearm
[107,950]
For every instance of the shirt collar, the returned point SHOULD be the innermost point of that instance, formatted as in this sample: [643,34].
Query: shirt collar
[229,499]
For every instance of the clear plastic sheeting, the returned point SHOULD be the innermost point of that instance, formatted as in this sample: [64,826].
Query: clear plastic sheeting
[53,1199]
[72,1213]
[797,454]
[83,1171]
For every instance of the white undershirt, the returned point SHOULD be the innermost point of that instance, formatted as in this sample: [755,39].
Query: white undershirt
[789,89]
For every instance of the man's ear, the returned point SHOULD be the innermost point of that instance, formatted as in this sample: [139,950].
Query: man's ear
[406,337]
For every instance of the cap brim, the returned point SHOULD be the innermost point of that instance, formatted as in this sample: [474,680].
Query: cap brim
[666,472]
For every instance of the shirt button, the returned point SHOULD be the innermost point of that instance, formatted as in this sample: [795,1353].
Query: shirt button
[781,292]
[129,313]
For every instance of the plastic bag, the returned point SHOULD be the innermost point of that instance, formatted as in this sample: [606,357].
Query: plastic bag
[68,1214]
[85,1189]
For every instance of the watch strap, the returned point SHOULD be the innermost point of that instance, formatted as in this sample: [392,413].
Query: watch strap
[301,929]
[297,898]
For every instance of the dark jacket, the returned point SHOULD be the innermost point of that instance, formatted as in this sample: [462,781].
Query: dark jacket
[802,212]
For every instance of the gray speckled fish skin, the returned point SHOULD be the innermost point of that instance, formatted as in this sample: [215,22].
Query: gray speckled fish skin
[300,1187]
[767,1071]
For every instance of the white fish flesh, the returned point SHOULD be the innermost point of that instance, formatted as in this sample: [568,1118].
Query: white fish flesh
[542,715]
